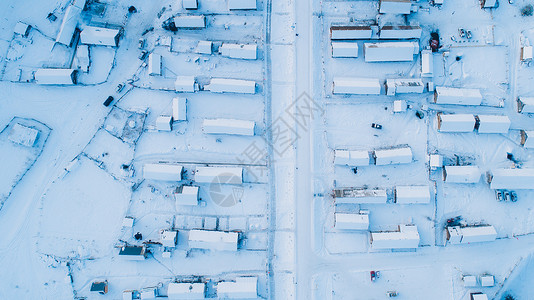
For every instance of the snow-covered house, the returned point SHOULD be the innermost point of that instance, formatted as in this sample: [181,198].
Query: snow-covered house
[68,25]
[400,32]
[241,51]
[179,109]
[407,237]
[163,172]
[190,4]
[356,86]
[133,252]
[164,123]
[169,238]
[185,290]
[427,63]
[511,179]
[190,22]
[487,280]
[154,64]
[489,3]
[461,174]
[241,4]
[344,49]
[204,47]
[56,76]
[527,138]
[91,35]
[213,240]
[347,221]
[23,135]
[393,156]
[458,96]
[389,51]
[360,196]
[404,86]
[456,123]
[412,194]
[526,53]
[186,195]
[403,7]
[470,234]
[469,281]
[525,105]
[353,158]
[22,29]
[223,175]
[350,32]
[243,287]
[226,85]
[493,124]
[228,126]
[184,84]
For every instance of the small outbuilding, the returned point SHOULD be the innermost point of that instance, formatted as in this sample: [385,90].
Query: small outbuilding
[227,85]
[213,240]
[169,238]
[469,281]
[351,32]
[406,237]
[393,156]
[346,221]
[487,280]
[479,296]
[133,252]
[22,29]
[353,158]
[228,126]
[360,196]
[179,109]
[154,64]
[511,179]
[456,123]
[185,290]
[190,22]
[389,51]
[493,124]
[457,96]
[222,175]
[356,86]
[163,172]
[242,288]
[412,194]
[241,4]
[403,7]
[204,47]
[100,36]
[344,49]
[489,3]
[23,135]
[56,76]
[526,53]
[525,105]
[241,51]
[190,4]
[461,174]
[100,286]
[186,195]
[185,84]
[527,138]
[164,123]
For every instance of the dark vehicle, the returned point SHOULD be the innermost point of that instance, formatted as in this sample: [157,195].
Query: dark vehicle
[51,17]
[120,87]
[434,41]
[143,55]
[513,196]
[373,275]
[419,114]
[454,221]
[376,126]
[392,294]
[108,101]
[499,196]
[506,196]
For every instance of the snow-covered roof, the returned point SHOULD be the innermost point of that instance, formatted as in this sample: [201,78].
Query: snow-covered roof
[82,58]
[169,238]
[526,53]
[184,290]
[351,221]
[184,84]
[427,63]
[241,4]
[213,240]
[148,294]
[133,252]
[79,3]
[164,123]
[241,288]
[395,7]
[479,296]
[406,238]
[190,4]
[404,86]
[193,22]
[239,51]
[164,172]
[470,281]
[127,222]
[228,126]
[462,174]
[471,234]
[512,179]
[388,51]
[526,105]
[355,158]
[458,96]
[22,28]
[227,85]
[400,155]
[412,194]
[527,138]
[91,35]
[55,76]
[127,295]
[400,32]
[186,195]
[359,195]
[456,123]
[223,175]
[489,3]
[179,109]
[23,135]
[68,25]
[344,49]
[400,106]
[357,86]
[493,124]
[350,32]
[204,47]
[154,64]
[487,280]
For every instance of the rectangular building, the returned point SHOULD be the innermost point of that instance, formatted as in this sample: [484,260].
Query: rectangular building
[356,86]
[213,240]
[412,194]
[470,234]
[344,49]
[186,195]
[360,196]
[223,175]
[241,4]
[190,22]
[525,105]
[99,36]
[351,32]
[164,123]
[190,4]
[56,76]
[185,290]
[527,138]
[163,172]
[133,252]
[388,51]
[179,109]
[242,288]
[493,124]
[407,237]
[185,84]
[346,221]
[154,64]
[456,123]
[393,156]
[427,63]
[511,179]
[68,25]
[457,96]
[241,51]
[226,85]
[461,174]
[403,7]
[404,86]
[402,32]
[353,158]
[228,126]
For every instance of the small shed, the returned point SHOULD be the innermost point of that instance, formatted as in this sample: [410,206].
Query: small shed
[185,290]
[242,288]
[388,51]
[169,238]
[68,25]
[457,96]
[360,196]
[399,106]
[190,4]
[213,240]
[493,124]
[56,76]
[127,222]
[190,22]
[526,53]
[487,280]
[179,109]
[489,3]
[22,29]
[469,281]
[404,86]
[228,126]
[479,296]
[241,51]
[186,195]
[344,49]
[402,32]
[393,156]
[427,63]
[356,86]
[23,135]
[100,36]
[148,294]
[436,161]
[461,174]
[470,234]
[412,194]
[527,138]
[204,47]
[82,59]
[525,105]
[241,4]
[133,252]
[351,32]
[100,287]
[346,221]
[163,172]
[403,7]
[406,237]
[154,64]
[184,84]
[456,123]
[127,295]
[353,158]
[164,123]
[223,175]
[226,85]
[511,179]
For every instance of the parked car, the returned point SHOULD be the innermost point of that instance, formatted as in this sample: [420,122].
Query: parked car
[108,101]
[376,126]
